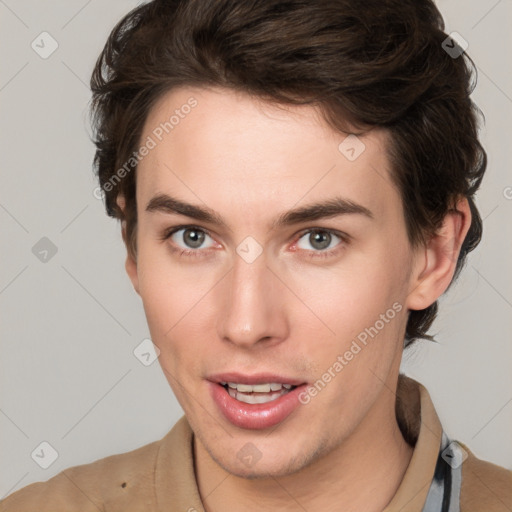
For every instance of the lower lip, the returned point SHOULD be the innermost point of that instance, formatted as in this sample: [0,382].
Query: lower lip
[255,416]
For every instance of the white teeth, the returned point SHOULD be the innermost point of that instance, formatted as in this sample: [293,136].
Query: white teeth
[258,388]
[256,398]
[244,388]
[262,388]
[257,393]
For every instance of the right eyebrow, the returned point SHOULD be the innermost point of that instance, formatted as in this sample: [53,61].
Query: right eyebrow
[167,204]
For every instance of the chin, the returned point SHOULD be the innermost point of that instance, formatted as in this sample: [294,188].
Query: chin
[268,462]
[261,471]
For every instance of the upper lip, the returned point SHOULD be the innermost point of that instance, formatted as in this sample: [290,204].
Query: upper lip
[257,378]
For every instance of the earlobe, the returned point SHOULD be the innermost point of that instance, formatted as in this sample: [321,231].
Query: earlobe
[436,262]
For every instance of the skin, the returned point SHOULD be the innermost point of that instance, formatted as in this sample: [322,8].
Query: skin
[287,312]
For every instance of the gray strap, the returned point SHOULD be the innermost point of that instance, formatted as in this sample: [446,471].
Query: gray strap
[444,492]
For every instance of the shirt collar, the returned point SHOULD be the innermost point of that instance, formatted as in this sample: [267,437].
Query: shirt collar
[421,427]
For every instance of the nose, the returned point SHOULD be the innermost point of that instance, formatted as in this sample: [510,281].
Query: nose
[254,310]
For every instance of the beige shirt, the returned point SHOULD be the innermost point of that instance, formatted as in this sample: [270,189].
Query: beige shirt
[160,476]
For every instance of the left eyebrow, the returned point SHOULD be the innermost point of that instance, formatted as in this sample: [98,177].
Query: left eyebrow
[332,207]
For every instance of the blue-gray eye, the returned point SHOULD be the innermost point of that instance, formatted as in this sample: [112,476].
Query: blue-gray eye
[192,238]
[319,239]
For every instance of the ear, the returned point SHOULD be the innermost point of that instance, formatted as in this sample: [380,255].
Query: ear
[130,263]
[435,263]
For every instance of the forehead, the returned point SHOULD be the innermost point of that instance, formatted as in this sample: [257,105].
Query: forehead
[233,152]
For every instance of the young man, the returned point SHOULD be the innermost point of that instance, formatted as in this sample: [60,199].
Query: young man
[295,183]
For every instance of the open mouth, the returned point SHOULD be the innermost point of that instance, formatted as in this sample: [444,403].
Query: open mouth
[257,393]
[258,401]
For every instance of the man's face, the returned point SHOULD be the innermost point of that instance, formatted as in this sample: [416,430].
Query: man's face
[268,301]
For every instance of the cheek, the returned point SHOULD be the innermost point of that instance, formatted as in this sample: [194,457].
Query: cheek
[351,296]
[360,308]
[175,296]
[365,316]
[162,293]
[166,287]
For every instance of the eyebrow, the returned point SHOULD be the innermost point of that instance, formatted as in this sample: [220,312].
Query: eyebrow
[332,207]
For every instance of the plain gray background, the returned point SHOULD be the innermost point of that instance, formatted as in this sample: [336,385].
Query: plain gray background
[70,324]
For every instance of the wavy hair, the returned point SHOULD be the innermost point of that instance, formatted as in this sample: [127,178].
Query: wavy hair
[378,63]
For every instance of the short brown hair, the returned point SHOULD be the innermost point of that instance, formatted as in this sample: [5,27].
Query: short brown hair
[376,63]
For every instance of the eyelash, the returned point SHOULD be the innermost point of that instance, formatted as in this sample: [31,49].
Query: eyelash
[345,239]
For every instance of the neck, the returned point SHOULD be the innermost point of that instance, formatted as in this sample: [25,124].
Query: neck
[363,473]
